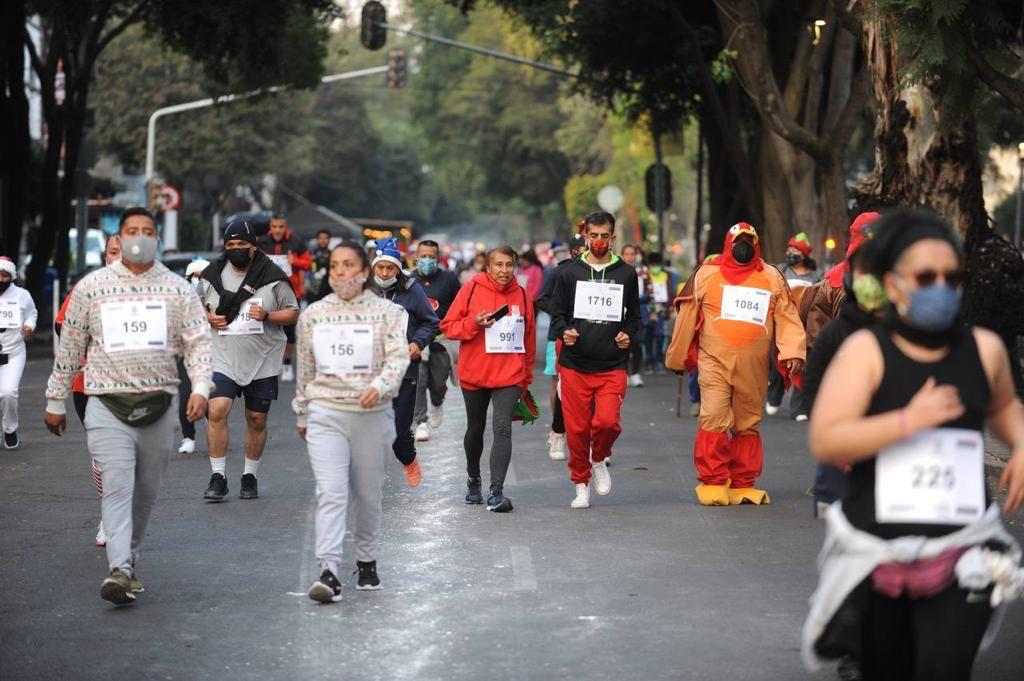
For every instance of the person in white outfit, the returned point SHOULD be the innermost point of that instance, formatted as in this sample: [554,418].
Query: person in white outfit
[17,322]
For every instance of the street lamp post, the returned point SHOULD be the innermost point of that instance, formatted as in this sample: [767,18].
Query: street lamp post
[1020,195]
[210,101]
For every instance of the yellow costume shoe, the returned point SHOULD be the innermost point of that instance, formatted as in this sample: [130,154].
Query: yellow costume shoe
[713,495]
[748,495]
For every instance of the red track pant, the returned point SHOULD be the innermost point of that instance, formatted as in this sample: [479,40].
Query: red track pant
[591,406]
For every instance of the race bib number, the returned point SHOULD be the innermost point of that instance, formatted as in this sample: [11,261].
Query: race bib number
[10,314]
[508,335]
[282,262]
[598,301]
[661,293]
[244,324]
[933,477]
[134,326]
[745,304]
[343,348]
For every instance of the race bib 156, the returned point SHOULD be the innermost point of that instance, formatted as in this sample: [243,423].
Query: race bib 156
[343,348]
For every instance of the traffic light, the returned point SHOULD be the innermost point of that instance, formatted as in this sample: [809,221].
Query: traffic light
[650,184]
[398,73]
[371,34]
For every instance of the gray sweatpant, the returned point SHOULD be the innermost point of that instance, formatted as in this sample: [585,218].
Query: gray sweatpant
[433,378]
[348,451]
[131,462]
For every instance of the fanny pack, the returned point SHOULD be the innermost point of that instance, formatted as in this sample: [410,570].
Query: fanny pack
[138,410]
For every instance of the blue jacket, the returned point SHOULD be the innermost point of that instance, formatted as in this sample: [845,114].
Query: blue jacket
[441,288]
[423,322]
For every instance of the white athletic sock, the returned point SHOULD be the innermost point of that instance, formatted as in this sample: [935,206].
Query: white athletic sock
[251,466]
[218,464]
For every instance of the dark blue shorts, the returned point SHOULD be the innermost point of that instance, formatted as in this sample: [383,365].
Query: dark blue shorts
[258,394]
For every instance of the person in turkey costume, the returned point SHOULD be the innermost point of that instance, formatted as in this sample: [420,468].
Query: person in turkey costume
[733,309]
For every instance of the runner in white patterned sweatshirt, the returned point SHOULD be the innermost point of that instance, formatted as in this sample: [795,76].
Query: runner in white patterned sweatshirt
[352,354]
[133,317]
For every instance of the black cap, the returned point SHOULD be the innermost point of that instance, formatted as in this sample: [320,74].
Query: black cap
[241,230]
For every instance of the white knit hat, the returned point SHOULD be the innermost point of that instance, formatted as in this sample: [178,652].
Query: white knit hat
[7,265]
[196,267]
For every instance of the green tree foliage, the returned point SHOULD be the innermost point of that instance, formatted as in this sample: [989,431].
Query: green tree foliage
[960,48]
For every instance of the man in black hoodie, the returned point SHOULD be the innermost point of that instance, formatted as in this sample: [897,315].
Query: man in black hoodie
[595,311]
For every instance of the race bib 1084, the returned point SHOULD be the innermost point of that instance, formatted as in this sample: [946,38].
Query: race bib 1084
[134,326]
[343,348]
[745,304]
[933,477]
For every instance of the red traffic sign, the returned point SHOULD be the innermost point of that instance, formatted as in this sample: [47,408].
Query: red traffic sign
[168,197]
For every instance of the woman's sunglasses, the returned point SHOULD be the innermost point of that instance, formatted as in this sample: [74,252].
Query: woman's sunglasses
[926,278]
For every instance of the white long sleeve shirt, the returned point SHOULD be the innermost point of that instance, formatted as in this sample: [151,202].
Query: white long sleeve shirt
[11,340]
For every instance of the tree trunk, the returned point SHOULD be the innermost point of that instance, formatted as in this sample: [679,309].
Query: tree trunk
[15,150]
[922,161]
[919,161]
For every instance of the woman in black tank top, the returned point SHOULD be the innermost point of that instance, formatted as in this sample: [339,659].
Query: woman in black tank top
[904,405]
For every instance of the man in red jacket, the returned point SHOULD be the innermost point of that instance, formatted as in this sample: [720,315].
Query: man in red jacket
[290,254]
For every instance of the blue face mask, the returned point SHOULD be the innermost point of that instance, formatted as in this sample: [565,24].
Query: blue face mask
[932,308]
[426,266]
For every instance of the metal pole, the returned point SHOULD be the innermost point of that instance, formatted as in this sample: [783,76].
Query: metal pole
[1020,196]
[210,101]
[550,68]
[659,192]
[698,219]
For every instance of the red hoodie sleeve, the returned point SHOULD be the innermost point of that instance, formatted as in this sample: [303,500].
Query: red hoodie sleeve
[459,324]
[302,261]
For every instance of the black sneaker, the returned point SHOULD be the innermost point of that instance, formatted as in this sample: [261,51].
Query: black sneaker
[473,493]
[11,440]
[217,489]
[248,490]
[368,580]
[498,502]
[327,589]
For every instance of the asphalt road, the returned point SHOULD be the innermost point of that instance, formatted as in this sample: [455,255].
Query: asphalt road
[644,585]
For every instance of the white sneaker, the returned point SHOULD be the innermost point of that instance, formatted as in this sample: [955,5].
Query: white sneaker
[436,416]
[287,373]
[101,535]
[188,446]
[556,446]
[602,478]
[800,418]
[422,433]
[582,499]
[636,381]
[770,410]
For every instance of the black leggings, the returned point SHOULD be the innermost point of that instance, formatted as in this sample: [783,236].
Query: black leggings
[81,400]
[505,400]
[636,358]
[557,420]
[404,403]
[931,639]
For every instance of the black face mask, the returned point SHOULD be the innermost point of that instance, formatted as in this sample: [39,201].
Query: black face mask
[239,257]
[743,252]
[4,285]
[794,259]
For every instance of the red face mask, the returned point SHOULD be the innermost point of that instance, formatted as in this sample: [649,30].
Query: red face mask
[599,247]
